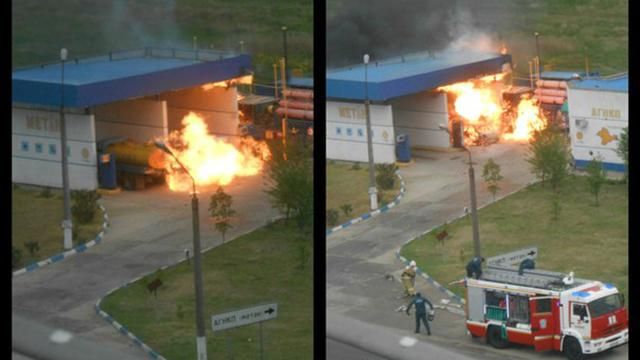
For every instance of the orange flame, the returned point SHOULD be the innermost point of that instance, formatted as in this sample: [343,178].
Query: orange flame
[483,114]
[244,80]
[210,160]
[529,119]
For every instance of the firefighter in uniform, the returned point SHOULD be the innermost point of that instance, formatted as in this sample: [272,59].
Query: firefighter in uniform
[408,278]
[474,267]
[421,312]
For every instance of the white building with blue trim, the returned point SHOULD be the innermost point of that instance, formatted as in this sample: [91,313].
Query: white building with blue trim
[598,112]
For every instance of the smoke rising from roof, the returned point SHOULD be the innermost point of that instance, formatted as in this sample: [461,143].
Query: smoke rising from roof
[145,25]
[384,28]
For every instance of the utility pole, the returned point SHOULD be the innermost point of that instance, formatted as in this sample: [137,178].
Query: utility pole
[474,207]
[67,224]
[373,191]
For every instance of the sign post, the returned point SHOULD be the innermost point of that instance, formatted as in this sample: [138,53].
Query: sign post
[248,316]
[513,258]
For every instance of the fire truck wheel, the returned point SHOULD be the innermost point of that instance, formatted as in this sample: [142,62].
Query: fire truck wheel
[572,349]
[494,337]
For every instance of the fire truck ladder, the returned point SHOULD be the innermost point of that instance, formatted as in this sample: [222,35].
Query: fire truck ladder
[540,279]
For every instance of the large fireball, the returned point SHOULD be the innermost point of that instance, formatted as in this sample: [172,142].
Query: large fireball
[210,160]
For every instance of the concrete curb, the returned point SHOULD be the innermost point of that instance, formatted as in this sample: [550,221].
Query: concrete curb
[123,329]
[63,255]
[371,214]
[429,279]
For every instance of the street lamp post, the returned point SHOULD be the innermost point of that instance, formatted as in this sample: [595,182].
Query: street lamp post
[373,191]
[472,194]
[284,44]
[201,342]
[536,34]
[67,224]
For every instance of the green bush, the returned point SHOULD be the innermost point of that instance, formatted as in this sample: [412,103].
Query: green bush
[332,217]
[33,247]
[347,209]
[386,175]
[84,205]
[16,257]
[356,166]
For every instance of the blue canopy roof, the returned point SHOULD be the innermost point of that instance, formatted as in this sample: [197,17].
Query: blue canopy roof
[619,83]
[124,75]
[410,74]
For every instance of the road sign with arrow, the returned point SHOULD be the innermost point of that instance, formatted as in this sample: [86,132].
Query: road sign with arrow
[243,317]
[514,257]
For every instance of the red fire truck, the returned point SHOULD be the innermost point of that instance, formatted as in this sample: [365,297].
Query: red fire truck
[547,310]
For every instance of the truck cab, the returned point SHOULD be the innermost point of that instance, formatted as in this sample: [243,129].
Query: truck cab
[596,317]
[545,310]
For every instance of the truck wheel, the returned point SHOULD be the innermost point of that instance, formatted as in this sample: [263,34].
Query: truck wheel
[572,349]
[494,337]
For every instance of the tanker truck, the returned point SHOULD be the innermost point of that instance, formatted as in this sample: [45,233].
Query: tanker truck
[134,165]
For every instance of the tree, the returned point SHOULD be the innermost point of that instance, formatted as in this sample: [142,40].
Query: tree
[386,175]
[491,175]
[221,211]
[85,204]
[623,150]
[597,176]
[549,157]
[289,183]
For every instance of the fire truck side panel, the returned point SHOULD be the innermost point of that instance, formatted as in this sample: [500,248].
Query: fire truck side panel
[543,324]
[477,328]
[519,336]
[476,302]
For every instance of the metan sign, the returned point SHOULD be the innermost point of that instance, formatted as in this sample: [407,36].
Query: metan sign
[351,112]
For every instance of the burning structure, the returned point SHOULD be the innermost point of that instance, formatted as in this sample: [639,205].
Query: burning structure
[415,95]
[187,98]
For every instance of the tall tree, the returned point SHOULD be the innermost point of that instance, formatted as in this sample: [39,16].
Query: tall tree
[491,175]
[549,157]
[289,181]
[623,150]
[221,211]
[597,176]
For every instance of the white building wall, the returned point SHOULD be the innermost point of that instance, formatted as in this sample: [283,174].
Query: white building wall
[217,106]
[419,116]
[596,121]
[36,157]
[140,120]
[347,132]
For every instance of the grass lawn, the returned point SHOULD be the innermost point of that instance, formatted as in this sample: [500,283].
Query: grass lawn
[260,267]
[591,241]
[93,27]
[569,29]
[37,218]
[346,185]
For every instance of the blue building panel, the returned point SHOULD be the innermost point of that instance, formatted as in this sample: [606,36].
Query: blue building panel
[619,84]
[395,78]
[93,82]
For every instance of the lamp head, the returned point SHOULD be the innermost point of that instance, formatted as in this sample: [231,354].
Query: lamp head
[366,58]
[63,54]
[284,28]
[162,146]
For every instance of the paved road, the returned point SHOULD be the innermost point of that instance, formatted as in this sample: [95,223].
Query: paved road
[338,350]
[149,229]
[359,257]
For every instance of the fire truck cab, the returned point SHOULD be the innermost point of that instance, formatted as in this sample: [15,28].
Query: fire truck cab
[547,310]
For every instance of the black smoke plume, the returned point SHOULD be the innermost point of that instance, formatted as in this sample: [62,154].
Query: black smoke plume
[385,28]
